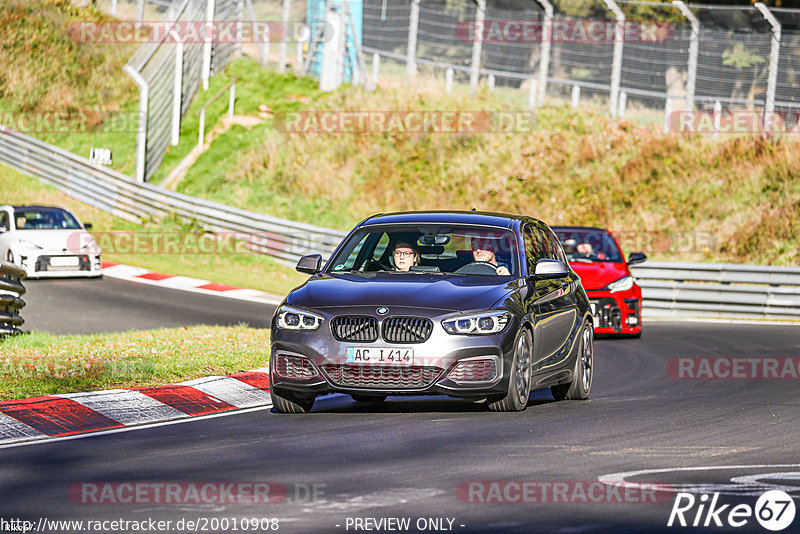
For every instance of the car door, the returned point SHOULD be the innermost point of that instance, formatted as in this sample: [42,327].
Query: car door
[556,309]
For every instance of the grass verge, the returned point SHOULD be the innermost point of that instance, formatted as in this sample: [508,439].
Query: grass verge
[39,364]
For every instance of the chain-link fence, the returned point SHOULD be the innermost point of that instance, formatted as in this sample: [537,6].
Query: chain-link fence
[655,55]
[175,60]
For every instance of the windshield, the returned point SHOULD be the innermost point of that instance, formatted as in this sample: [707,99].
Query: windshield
[589,245]
[44,219]
[414,249]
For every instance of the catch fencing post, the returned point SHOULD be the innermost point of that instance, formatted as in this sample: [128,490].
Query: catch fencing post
[176,88]
[616,65]
[140,11]
[287,10]
[141,132]
[623,104]
[448,80]
[717,119]
[694,47]
[667,113]
[413,29]
[263,47]
[490,81]
[533,93]
[113,8]
[207,42]
[547,38]
[774,55]
[477,45]
[232,100]
[576,96]
[376,67]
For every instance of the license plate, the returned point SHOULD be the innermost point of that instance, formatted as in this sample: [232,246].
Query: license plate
[68,261]
[403,356]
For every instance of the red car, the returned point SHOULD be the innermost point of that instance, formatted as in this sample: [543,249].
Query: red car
[616,298]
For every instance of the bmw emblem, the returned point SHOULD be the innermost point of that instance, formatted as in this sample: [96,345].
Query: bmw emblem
[383,310]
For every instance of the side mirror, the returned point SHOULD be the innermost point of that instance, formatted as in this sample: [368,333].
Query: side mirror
[636,257]
[87,226]
[3,228]
[547,269]
[310,264]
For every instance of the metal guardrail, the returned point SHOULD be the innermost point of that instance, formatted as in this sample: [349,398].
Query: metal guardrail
[669,289]
[11,289]
[719,290]
[122,196]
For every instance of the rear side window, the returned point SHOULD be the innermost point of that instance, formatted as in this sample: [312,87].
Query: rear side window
[4,221]
[537,246]
[555,245]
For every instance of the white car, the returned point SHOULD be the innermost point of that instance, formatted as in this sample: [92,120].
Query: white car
[47,242]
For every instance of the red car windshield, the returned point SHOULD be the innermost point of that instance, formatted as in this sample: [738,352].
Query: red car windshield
[589,245]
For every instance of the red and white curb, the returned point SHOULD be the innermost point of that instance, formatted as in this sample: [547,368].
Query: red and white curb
[184,283]
[79,413]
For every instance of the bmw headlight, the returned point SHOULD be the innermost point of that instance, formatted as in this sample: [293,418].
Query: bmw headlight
[289,318]
[28,245]
[623,284]
[478,324]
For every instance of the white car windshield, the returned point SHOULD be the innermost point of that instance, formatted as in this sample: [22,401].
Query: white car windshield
[44,219]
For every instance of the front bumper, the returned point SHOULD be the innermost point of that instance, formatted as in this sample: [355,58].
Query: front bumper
[617,313]
[438,368]
[57,264]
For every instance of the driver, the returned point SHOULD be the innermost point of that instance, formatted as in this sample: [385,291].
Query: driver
[484,250]
[405,256]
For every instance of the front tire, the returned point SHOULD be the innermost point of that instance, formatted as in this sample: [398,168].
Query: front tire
[519,383]
[286,402]
[583,373]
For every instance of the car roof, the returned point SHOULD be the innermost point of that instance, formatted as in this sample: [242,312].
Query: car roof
[581,228]
[484,218]
[36,207]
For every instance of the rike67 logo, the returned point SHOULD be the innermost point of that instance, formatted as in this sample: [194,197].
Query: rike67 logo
[774,511]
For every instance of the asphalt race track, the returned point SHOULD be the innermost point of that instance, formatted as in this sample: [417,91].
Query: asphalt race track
[75,306]
[408,457]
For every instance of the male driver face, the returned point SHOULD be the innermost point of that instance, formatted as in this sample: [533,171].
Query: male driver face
[483,252]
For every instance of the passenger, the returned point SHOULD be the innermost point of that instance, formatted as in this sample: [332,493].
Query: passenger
[21,220]
[483,250]
[405,256]
[586,249]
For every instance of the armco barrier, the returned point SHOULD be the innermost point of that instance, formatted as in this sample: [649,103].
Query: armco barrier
[11,289]
[670,289]
[122,196]
[719,290]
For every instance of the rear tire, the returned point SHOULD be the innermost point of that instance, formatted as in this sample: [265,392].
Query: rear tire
[583,372]
[286,402]
[369,398]
[519,383]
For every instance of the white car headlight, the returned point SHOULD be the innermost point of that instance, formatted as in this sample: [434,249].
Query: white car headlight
[623,284]
[29,245]
[478,324]
[289,318]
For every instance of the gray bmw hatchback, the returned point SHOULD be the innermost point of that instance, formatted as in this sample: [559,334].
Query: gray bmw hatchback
[474,305]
